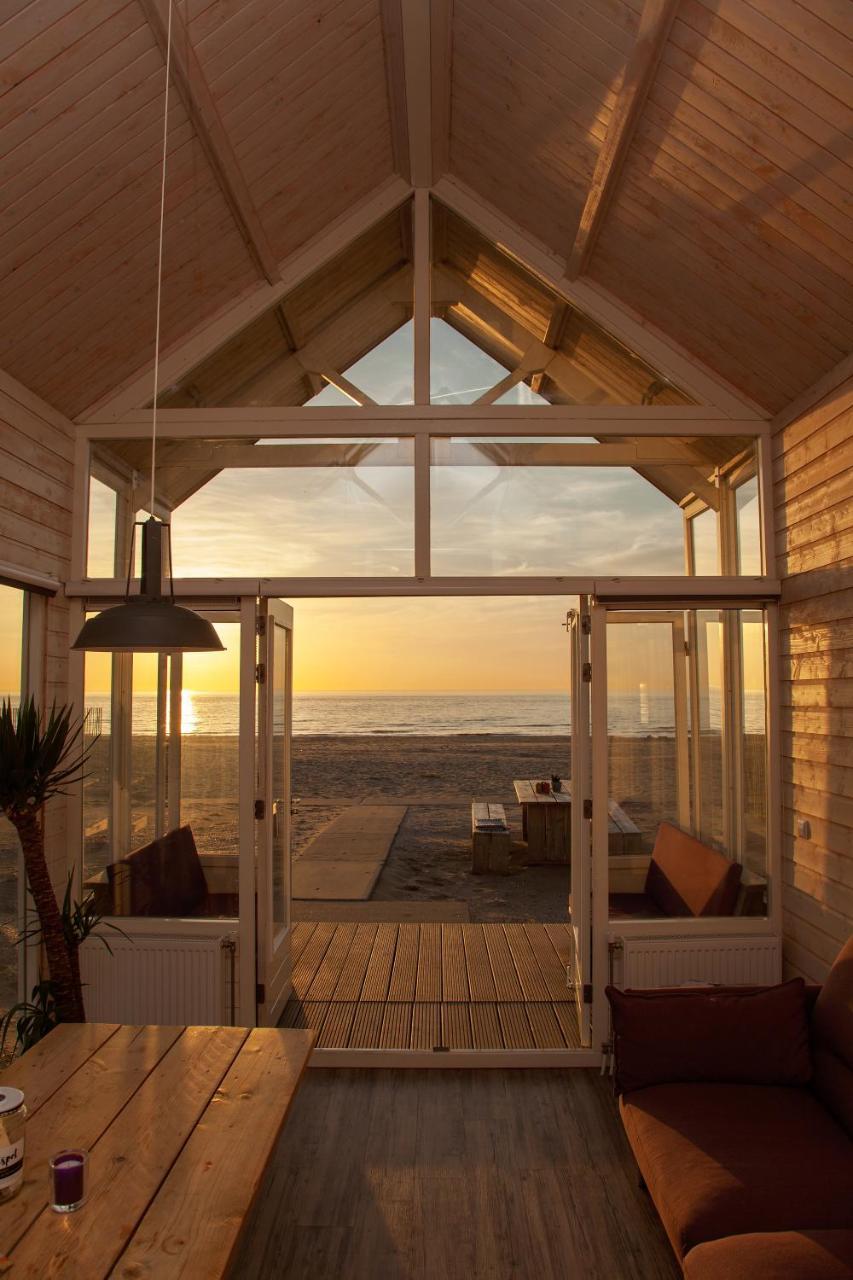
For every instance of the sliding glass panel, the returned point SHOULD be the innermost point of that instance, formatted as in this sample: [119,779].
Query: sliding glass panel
[160,802]
[687,763]
[11,654]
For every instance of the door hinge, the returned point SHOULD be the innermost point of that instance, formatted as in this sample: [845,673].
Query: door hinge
[260,673]
[687,648]
[586,624]
[587,808]
[260,626]
[587,993]
[260,810]
[260,993]
[586,673]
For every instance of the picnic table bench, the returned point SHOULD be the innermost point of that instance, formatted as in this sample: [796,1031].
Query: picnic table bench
[490,839]
[180,1124]
[546,823]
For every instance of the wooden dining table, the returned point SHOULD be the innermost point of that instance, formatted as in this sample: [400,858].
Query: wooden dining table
[546,820]
[180,1124]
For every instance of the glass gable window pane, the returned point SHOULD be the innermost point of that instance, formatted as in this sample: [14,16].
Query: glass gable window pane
[521,507]
[703,529]
[100,561]
[310,508]
[748,527]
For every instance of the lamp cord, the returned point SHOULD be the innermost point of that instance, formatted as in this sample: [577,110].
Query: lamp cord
[160,250]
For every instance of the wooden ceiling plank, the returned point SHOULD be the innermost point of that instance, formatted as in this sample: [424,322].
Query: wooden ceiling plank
[615,317]
[213,333]
[395,80]
[655,23]
[194,91]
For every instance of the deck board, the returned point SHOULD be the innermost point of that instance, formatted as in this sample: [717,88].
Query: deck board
[427,986]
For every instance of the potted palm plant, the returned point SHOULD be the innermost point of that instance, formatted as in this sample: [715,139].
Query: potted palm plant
[40,757]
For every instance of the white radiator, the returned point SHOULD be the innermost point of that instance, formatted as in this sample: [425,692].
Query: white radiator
[165,979]
[673,962]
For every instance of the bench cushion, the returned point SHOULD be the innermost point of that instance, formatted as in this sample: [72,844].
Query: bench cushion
[687,878]
[777,1255]
[832,1048]
[723,1159]
[163,878]
[726,1035]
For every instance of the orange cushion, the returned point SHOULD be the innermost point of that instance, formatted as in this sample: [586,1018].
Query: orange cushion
[832,1024]
[687,878]
[724,1034]
[723,1159]
[777,1255]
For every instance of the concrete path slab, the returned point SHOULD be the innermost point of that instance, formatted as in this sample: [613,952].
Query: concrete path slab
[337,880]
[343,861]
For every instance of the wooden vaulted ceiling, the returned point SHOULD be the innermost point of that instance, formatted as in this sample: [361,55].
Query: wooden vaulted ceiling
[688,158]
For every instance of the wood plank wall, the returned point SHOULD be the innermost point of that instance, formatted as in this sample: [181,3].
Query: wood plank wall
[813,472]
[36,476]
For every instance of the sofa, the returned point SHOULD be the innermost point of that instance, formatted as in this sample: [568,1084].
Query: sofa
[685,878]
[738,1105]
[164,878]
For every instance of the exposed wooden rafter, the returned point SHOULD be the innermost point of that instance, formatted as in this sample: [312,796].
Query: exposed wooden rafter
[189,80]
[418,51]
[598,303]
[212,334]
[655,22]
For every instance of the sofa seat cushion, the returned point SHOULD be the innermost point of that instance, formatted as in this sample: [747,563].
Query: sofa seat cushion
[777,1255]
[723,1159]
[633,905]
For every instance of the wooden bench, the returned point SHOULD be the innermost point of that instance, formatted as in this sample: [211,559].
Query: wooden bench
[180,1124]
[490,842]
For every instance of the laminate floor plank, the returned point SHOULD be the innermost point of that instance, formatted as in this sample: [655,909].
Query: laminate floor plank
[481,1175]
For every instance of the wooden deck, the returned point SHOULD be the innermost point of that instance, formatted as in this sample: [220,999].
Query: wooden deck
[433,986]
[454,1175]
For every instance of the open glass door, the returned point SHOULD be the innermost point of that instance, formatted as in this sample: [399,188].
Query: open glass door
[580,886]
[275,717]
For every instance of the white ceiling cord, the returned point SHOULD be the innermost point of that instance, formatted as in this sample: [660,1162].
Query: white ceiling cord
[160,250]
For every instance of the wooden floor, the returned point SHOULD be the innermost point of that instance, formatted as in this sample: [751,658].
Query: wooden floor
[457,1175]
[428,986]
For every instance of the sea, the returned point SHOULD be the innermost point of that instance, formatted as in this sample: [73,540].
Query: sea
[635,714]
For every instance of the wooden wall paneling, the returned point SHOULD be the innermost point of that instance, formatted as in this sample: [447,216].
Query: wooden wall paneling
[813,471]
[35,533]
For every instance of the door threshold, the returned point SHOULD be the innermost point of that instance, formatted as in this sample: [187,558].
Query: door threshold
[466,1059]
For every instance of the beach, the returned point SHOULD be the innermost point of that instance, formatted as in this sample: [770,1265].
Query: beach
[434,777]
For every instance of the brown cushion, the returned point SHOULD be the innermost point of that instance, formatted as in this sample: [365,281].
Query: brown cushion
[723,1159]
[687,878]
[163,878]
[777,1255]
[725,1034]
[832,1025]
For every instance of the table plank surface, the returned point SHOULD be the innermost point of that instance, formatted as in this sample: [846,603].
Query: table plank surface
[180,1123]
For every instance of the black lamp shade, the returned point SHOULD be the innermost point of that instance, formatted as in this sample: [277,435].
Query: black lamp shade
[142,625]
[149,622]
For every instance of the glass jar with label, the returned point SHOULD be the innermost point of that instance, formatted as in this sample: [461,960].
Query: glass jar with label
[13,1115]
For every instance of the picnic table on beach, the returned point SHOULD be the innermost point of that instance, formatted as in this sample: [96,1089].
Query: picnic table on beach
[546,823]
[180,1124]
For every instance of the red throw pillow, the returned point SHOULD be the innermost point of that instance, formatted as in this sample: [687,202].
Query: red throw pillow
[728,1035]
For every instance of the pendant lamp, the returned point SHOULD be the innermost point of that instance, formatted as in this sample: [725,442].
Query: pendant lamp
[151,622]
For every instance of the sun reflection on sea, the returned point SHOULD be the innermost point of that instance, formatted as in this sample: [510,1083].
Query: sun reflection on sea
[189,712]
